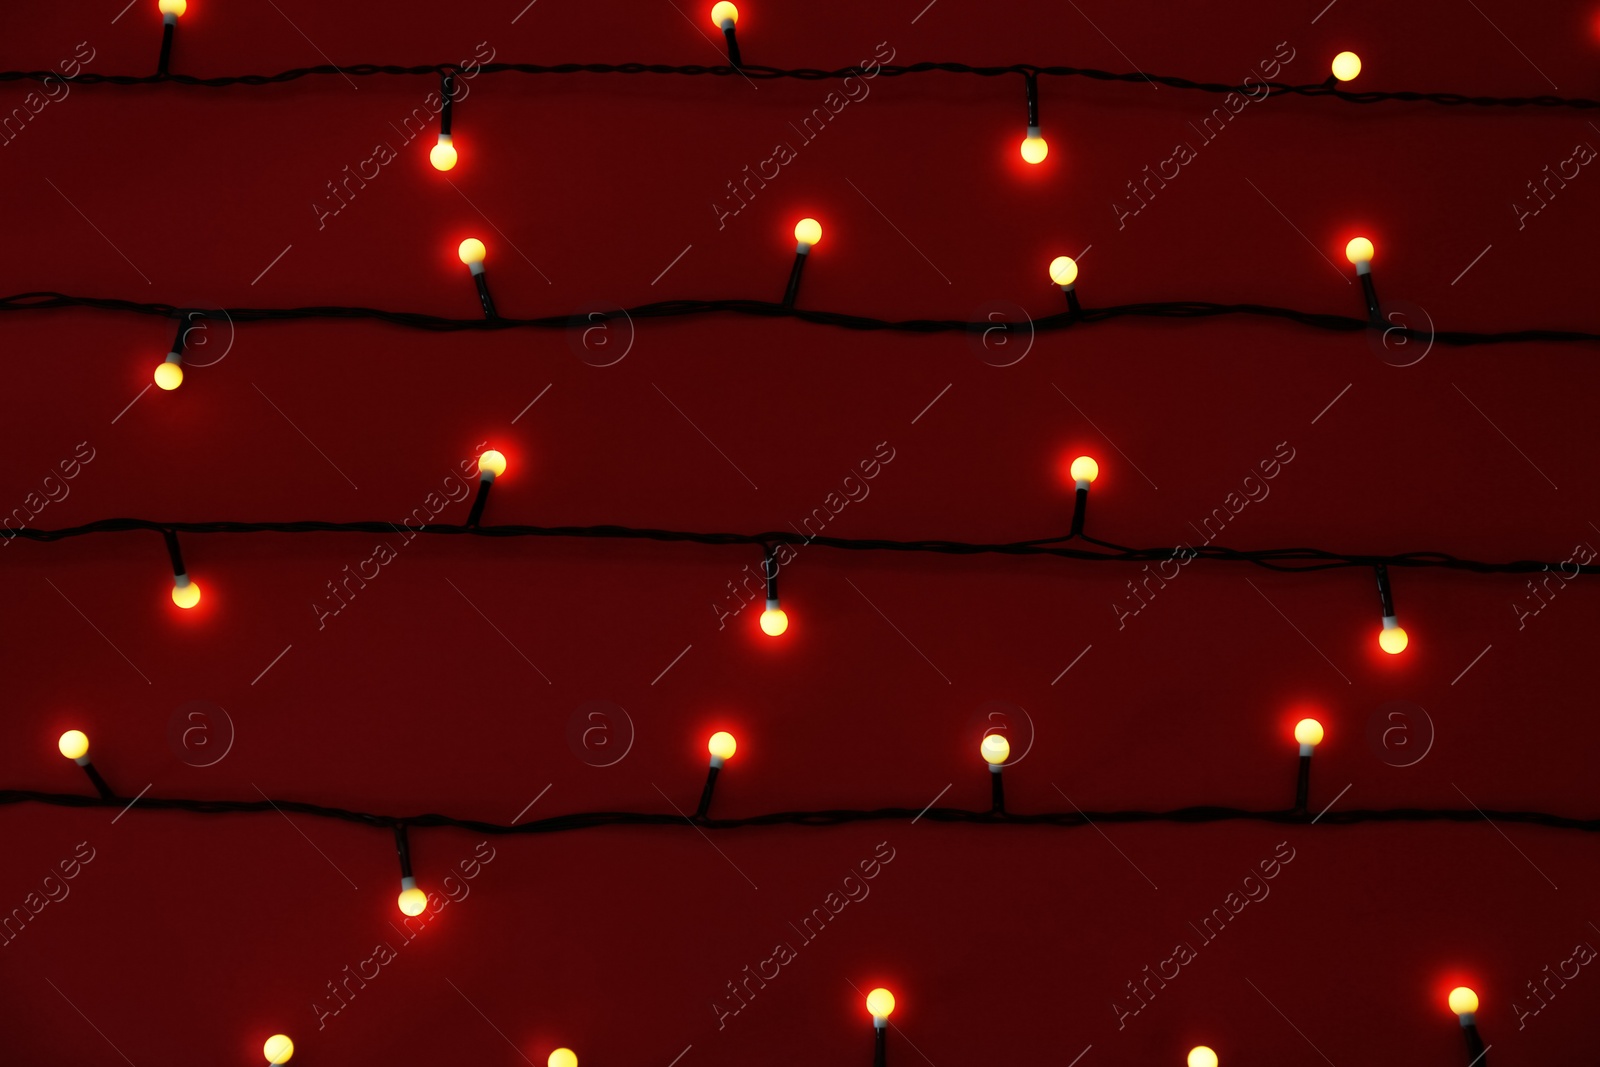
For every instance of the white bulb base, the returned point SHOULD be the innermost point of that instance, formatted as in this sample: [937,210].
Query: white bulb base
[880,1022]
[801,248]
[772,603]
[476,268]
[995,768]
[725,25]
[1033,131]
[1468,1018]
[486,476]
[169,19]
[1083,483]
[716,762]
[82,761]
[1306,750]
[180,580]
[174,357]
[1069,287]
[1363,266]
[444,138]
[1391,622]
[407,882]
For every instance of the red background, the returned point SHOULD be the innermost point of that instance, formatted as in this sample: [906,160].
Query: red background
[190,939]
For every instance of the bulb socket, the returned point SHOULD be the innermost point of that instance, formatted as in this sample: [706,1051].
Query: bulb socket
[1468,1018]
[716,762]
[879,1022]
[1391,623]
[1306,750]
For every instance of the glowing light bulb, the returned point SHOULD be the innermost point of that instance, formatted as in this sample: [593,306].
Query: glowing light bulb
[185,591]
[74,744]
[565,1057]
[1346,65]
[807,232]
[472,252]
[880,1002]
[1463,1001]
[1359,251]
[1202,1056]
[169,374]
[721,746]
[1034,147]
[1392,638]
[412,900]
[492,463]
[1084,470]
[996,750]
[278,1048]
[443,156]
[1309,733]
[723,15]
[176,8]
[774,621]
[1063,271]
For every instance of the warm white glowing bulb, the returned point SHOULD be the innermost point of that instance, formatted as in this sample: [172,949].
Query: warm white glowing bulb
[565,1057]
[443,154]
[169,374]
[1309,733]
[492,464]
[1064,271]
[412,900]
[774,621]
[176,8]
[1084,470]
[278,1048]
[1463,1001]
[1393,638]
[1202,1056]
[472,252]
[1346,65]
[721,746]
[1359,251]
[723,15]
[807,232]
[185,591]
[880,1003]
[996,749]
[74,744]
[1034,148]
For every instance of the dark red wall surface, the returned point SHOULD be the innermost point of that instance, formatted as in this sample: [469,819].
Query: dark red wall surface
[453,680]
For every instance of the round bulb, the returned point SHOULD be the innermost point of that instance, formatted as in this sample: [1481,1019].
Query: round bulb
[880,1002]
[720,13]
[278,1048]
[1085,469]
[186,596]
[565,1057]
[722,745]
[492,461]
[1393,640]
[1034,149]
[1463,1001]
[1359,250]
[471,251]
[443,157]
[1202,1056]
[1308,732]
[169,375]
[1063,270]
[176,7]
[995,749]
[774,621]
[807,231]
[74,744]
[413,901]
[1346,65]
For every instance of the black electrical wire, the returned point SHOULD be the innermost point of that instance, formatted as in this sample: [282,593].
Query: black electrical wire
[1275,559]
[1262,89]
[666,309]
[1198,814]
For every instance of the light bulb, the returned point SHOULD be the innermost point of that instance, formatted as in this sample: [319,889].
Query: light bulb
[1309,733]
[880,1002]
[721,746]
[1202,1056]
[723,15]
[807,231]
[774,621]
[1359,251]
[1463,1001]
[169,374]
[185,591]
[1063,271]
[1346,65]
[472,252]
[996,750]
[74,744]
[1084,470]
[1034,148]
[1392,638]
[412,900]
[443,157]
[278,1048]
[565,1057]
[492,463]
[176,8]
